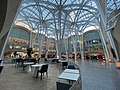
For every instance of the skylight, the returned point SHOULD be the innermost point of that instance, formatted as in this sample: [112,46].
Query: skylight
[58,17]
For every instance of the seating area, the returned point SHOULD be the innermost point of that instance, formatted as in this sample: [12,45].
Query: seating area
[91,72]
[39,70]
[42,71]
[67,86]
[70,78]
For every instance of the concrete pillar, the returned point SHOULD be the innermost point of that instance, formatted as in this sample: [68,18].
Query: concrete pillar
[9,10]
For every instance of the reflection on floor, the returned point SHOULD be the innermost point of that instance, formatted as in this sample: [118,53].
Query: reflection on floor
[17,79]
[100,76]
[95,76]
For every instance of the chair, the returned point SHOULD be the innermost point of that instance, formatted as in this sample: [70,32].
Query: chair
[71,66]
[43,69]
[62,86]
[33,60]
[57,61]
[53,61]
[64,64]
[45,60]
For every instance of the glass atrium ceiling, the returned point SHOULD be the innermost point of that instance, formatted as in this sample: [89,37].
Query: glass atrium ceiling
[59,18]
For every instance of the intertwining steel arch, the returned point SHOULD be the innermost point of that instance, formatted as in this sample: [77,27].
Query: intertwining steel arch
[59,16]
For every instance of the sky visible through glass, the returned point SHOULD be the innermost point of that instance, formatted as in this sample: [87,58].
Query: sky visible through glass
[61,18]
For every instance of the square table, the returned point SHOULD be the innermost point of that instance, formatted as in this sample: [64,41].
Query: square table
[37,65]
[71,71]
[28,64]
[61,61]
[69,76]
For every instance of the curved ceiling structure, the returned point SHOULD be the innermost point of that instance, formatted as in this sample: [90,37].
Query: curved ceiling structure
[61,18]
[58,18]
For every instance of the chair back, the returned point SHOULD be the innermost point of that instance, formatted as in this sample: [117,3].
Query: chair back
[71,67]
[45,60]
[18,60]
[64,64]
[62,86]
[57,61]
[53,60]
[44,68]
[33,60]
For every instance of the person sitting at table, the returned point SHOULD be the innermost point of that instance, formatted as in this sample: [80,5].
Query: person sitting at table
[45,60]
[38,60]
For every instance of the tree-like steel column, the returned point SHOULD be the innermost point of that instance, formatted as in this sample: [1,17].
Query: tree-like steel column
[102,25]
[113,45]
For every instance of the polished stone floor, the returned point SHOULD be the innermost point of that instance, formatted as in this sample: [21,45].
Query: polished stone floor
[16,79]
[95,76]
[99,76]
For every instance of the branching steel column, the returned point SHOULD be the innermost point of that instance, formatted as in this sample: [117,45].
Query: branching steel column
[42,39]
[47,46]
[82,46]
[104,21]
[113,45]
[56,44]
[104,42]
[39,46]
[31,38]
